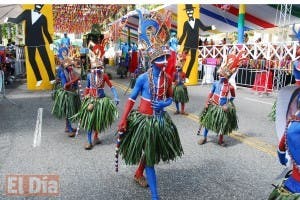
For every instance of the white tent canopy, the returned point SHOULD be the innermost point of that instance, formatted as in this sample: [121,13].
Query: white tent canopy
[9,10]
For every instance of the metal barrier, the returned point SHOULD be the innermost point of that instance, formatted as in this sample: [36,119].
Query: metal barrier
[268,69]
[20,61]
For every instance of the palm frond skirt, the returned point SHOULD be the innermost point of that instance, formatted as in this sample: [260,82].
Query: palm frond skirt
[281,193]
[66,103]
[180,94]
[100,117]
[155,137]
[216,119]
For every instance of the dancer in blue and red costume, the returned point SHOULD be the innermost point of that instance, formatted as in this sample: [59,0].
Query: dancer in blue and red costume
[67,99]
[149,133]
[290,140]
[97,111]
[180,91]
[220,104]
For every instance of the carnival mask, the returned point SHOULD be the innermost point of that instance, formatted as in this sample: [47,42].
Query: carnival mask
[160,62]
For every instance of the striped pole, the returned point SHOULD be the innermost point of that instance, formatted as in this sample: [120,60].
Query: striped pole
[241,23]
[120,134]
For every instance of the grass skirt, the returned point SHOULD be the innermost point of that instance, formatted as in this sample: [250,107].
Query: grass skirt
[216,119]
[180,94]
[66,103]
[159,140]
[55,89]
[103,114]
[280,193]
[272,114]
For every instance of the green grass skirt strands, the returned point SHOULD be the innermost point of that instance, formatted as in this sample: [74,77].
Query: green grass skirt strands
[55,89]
[159,140]
[180,94]
[66,103]
[103,114]
[219,121]
[272,114]
[280,193]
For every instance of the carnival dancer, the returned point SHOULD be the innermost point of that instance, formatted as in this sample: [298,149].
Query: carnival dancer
[140,70]
[288,131]
[134,59]
[67,99]
[149,133]
[173,43]
[98,111]
[180,93]
[219,114]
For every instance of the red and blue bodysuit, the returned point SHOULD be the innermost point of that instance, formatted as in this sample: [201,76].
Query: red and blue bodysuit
[180,93]
[96,81]
[68,95]
[222,93]
[149,133]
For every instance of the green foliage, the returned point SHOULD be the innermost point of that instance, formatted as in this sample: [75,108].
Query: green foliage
[103,114]
[155,136]
[8,30]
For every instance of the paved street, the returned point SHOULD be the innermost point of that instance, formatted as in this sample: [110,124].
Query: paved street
[245,169]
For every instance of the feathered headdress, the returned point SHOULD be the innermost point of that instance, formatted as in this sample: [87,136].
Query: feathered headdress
[231,64]
[153,36]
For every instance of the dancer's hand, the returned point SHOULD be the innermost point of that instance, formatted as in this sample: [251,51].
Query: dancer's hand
[160,104]
[122,126]
[282,159]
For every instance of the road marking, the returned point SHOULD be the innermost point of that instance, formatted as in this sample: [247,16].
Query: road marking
[37,137]
[254,100]
[250,141]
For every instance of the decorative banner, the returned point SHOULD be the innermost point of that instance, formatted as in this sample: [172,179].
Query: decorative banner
[79,18]
[182,17]
[38,22]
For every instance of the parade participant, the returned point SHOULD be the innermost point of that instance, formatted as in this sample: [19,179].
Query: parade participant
[63,52]
[219,114]
[140,70]
[67,99]
[149,133]
[65,41]
[288,127]
[134,59]
[173,43]
[97,111]
[180,93]
[290,143]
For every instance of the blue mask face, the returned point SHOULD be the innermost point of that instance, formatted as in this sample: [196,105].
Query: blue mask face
[160,62]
